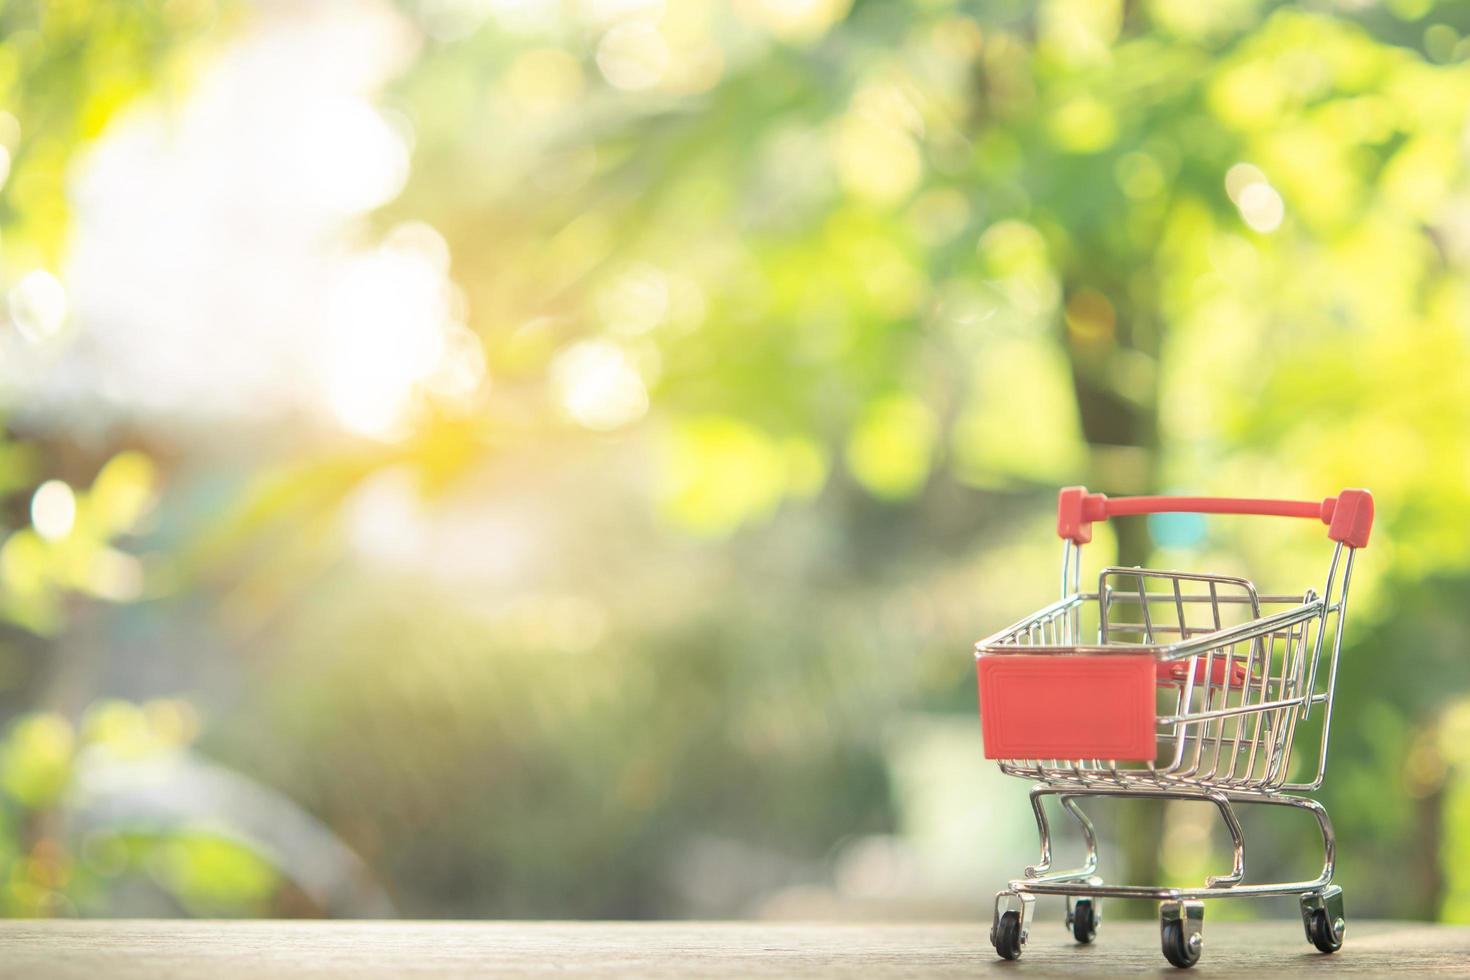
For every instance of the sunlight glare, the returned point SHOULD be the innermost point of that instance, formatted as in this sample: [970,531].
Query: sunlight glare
[53,510]
[1241,176]
[38,306]
[598,386]
[386,312]
[357,160]
[633,56]
[1261,207]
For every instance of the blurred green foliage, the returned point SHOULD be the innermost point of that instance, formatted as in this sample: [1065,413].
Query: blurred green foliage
[66,68]
[50,870]
[952,246]
[39,567]
[855,289]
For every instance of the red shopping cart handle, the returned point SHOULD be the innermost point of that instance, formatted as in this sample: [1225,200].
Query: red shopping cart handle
[1348,516]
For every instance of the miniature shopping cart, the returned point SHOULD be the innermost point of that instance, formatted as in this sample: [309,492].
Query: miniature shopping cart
[1172,686]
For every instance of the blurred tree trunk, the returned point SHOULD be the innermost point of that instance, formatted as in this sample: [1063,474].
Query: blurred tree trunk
[1427,875]
[1112,348]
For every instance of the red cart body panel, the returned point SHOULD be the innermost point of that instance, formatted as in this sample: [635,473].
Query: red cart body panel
[1051,707]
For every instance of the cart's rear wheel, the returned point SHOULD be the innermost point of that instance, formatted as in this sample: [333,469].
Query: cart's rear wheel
[1325,935]
[1179,950]
[1083,920]
[1006,936]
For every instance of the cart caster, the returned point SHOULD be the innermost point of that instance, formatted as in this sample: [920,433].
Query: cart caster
[1012,922]
[1007,936]
[1083,918]
[1323,920]
[1181,927]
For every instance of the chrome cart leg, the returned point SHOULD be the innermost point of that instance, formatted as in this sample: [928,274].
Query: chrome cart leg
[1323,919]
[1324,825]
[1042,868]
[1089,836]
[1237,840]
[1011,924]
[1181,931]
[1043,832]
[1329,839]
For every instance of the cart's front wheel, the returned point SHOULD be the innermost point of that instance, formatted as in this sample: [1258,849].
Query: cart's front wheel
[1006,937]
[1083,919]
[1180,950]
[1326,935]
[1322,916]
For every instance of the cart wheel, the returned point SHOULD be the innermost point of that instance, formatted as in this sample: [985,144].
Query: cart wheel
[1006,937]
[1083,920]
[1178,950]
[1325,935]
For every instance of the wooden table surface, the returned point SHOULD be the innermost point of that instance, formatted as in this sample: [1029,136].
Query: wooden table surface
[100,949]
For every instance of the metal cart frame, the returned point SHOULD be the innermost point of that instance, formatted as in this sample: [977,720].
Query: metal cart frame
[1233,694]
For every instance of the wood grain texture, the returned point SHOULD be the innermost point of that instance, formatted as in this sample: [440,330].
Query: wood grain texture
[67,949]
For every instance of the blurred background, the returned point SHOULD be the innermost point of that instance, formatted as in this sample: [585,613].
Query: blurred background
[551,458]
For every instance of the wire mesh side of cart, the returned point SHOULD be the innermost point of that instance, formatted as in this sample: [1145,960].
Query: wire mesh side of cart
[1235,673]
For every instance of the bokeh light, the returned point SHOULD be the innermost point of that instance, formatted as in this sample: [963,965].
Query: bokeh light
[598,385]
[53,510]
[37,306]
[390,330]
[633,56]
